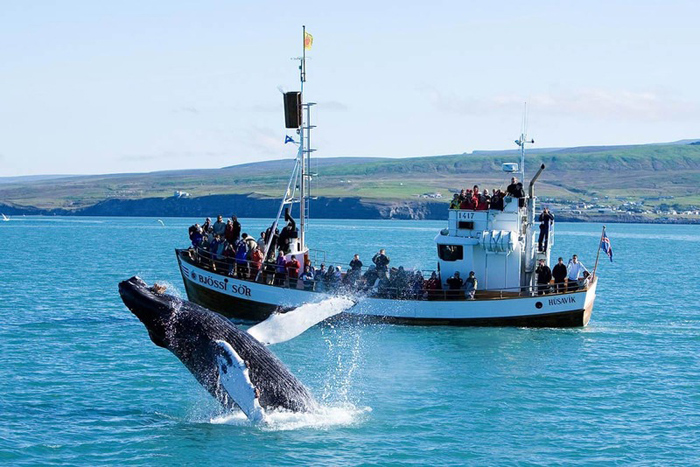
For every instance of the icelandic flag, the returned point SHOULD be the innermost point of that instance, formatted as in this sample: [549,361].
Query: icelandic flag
[288,139]
[605,245]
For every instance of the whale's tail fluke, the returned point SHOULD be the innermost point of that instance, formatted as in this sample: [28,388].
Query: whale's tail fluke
[281,327]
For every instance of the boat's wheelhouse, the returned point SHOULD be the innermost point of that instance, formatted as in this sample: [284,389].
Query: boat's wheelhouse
[492,243]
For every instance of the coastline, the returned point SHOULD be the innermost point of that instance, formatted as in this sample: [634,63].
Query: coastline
[322,208]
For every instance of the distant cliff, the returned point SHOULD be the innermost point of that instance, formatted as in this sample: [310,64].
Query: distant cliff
[244,206]
[321,208]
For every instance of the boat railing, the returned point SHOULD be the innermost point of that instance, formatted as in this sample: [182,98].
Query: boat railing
[317,256]
[270,273]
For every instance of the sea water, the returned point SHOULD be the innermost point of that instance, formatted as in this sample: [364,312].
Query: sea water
[81,383]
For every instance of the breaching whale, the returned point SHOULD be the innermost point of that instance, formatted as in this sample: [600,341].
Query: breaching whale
[232,365]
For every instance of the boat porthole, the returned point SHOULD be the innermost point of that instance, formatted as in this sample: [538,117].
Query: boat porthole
[538,305]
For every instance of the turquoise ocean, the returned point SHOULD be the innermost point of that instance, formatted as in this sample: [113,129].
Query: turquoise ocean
[81,383]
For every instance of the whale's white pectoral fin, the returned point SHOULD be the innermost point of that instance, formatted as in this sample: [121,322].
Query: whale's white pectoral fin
[281,327]
[235,379]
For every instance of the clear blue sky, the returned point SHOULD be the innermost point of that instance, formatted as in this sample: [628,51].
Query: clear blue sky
[130,86]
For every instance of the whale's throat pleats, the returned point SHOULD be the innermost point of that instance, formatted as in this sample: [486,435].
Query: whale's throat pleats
[234,377]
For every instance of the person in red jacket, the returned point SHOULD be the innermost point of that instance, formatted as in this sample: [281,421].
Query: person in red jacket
[484,200]
[469,202]
[433,286]
[293,266]
[229,233]
[256,259]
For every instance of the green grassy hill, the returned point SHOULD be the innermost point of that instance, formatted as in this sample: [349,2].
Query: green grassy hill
[660,173]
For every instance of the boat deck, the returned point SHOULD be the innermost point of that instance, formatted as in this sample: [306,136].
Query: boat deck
[250,272]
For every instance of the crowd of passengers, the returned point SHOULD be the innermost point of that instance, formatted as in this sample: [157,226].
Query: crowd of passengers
[242,254]
[224,248]
[475,199]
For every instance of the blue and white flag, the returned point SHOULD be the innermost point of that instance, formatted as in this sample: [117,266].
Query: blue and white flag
[605,245]
[288,139]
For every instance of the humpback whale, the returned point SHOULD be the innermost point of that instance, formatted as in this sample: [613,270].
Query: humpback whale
[233,366]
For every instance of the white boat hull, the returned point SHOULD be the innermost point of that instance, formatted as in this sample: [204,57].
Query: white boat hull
[248,300]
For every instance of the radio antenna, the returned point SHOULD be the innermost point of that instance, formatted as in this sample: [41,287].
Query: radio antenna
[522,141]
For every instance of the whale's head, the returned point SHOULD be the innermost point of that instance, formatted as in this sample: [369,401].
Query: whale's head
[150,305]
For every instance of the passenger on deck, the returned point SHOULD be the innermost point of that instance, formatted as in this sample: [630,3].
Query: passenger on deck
[196,235]
[288,234]
[206,227]
[356,264]
[228,233]
[250,242]
[418,285]
[308,277]
[268,270]
[230,257]
[546,220]
[454,284]
[454,204]
[470,285]
[217,247]
[575,271]
[484,200]
[470,202]
[433,286]
[512,187]
[520,195]
[381,261]
[262,240]
[544,277]
[241,260]
[355,271]
[281,269]
[204,244]
[496,200]
[544,235]
[465,201]
[256,260]
[327,277]
[293,267]
[273,241]
[219,226]
[559,273]
[337,277]
[401,282]
[236,228]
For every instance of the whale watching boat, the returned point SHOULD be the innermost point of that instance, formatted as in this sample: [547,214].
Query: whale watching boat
[498,245]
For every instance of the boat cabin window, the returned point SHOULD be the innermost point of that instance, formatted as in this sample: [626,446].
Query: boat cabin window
[467,225]
[450,252]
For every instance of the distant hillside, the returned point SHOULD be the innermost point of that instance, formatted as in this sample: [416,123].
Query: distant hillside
[283,164]
[658,173]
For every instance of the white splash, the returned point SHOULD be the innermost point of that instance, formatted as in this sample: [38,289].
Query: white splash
[344,347]
[281,327]
[283,420]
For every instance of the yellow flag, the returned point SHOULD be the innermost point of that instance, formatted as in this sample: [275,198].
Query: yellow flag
[308,41]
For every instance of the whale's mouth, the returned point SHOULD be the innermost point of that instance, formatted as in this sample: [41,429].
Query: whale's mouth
[130,286]
[148,305]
